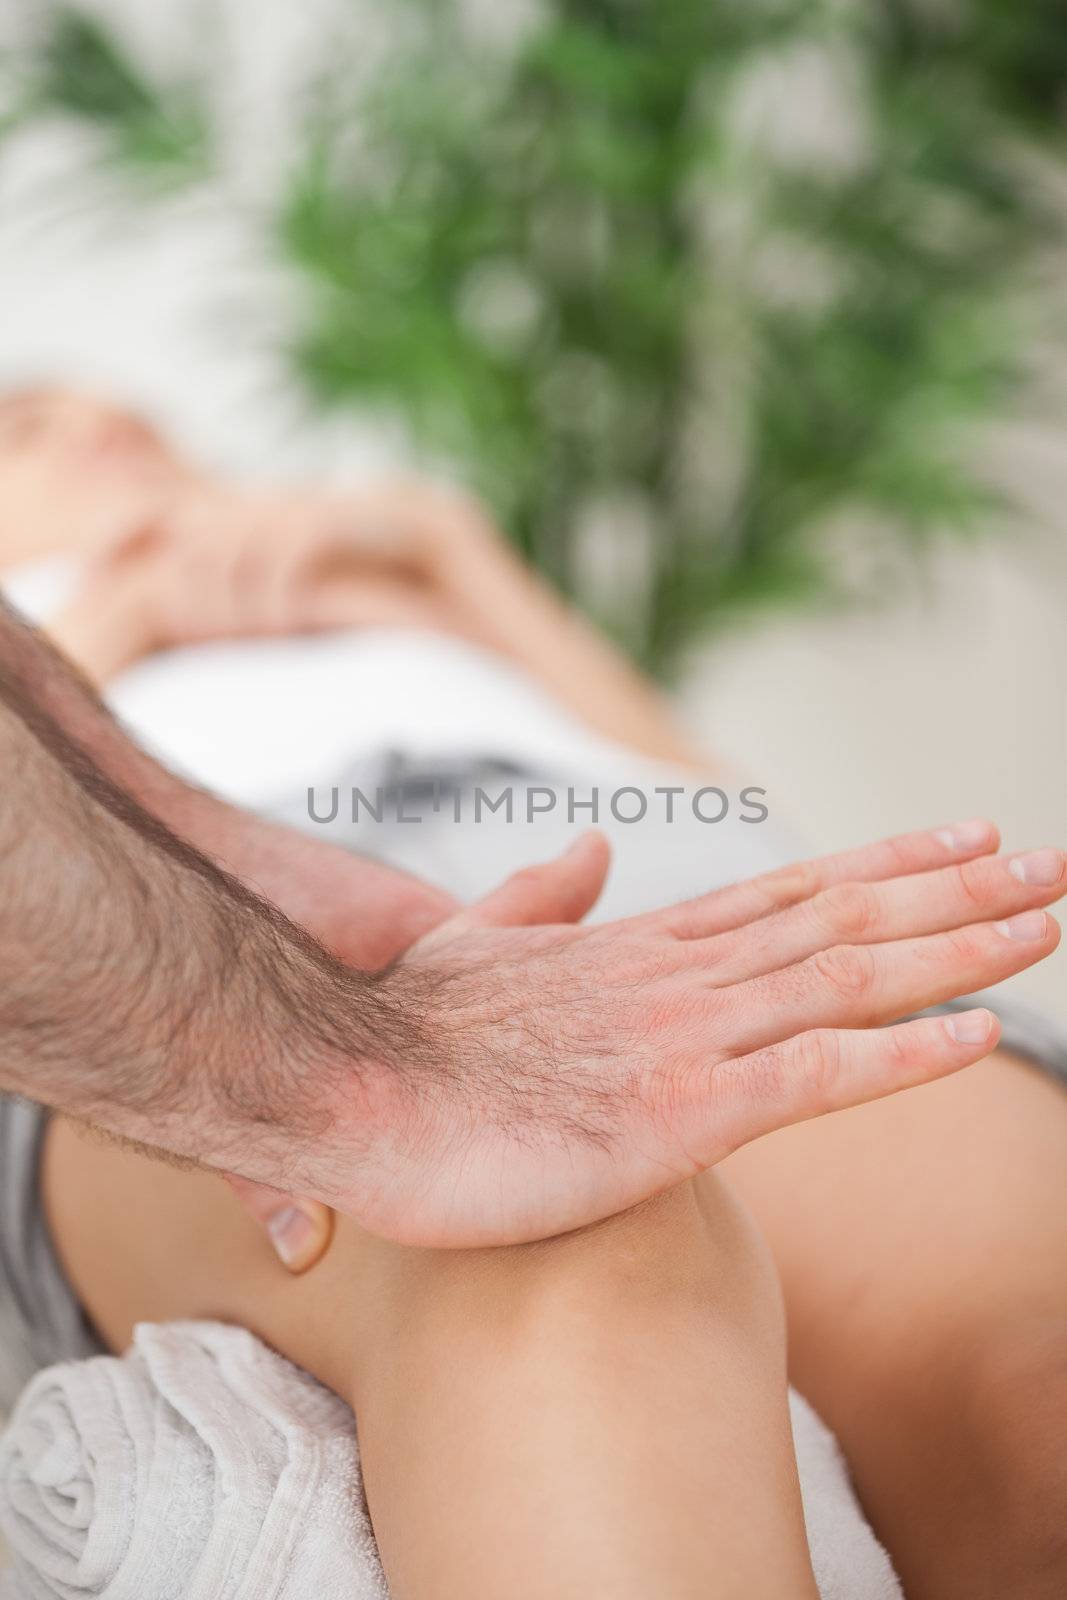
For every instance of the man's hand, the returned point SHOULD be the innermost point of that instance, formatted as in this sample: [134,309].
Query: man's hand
[563,1073]
[497,1083]
[315,885]
[501,1081]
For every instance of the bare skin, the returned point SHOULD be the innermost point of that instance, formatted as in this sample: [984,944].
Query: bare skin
[940,1392]
[603,1413]
[920,1246]
[500,1081]
[77,471]
[436,1349]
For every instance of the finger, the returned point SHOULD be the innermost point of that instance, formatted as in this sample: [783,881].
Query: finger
[288,564]
[265,541]
[239,577]
[831,1069]
[562,890]
[127,545]
[299,1230]
[192,602]
[394,910]
[741,903]
[861,913]
[856,986]
[367,603]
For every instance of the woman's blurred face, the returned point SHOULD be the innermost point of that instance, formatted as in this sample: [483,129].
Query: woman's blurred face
[72,469]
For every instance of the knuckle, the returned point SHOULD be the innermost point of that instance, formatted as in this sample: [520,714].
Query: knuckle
[846,969]
[849,910]
[790,885]
[902,855]
[817,1062]
[962,947]
[749,1091]
[901,1049]
[527,877]
[661,1015]
[973,881]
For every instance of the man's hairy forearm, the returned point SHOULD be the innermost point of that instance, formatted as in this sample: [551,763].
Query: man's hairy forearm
[36,679]
[362,910]
[144,989]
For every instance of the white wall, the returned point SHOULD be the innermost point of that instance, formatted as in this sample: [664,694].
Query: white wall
[948,705]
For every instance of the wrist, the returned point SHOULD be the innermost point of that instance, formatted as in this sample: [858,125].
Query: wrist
[299,1067]
[314,1076]
[458,539]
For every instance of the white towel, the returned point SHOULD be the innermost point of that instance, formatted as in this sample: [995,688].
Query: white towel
[201,1466]
[848,1561]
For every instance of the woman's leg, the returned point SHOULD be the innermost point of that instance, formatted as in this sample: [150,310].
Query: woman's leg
[922,1247]
[603,1413]
[608,1410]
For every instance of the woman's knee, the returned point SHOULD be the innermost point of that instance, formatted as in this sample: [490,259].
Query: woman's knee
[691,1255]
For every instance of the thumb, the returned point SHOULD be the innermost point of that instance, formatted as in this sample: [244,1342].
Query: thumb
[299,1230]
[560,890]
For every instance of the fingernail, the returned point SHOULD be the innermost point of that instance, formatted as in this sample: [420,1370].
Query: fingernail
[1027,925]
[964,835]
[1042,868]
[292,1234]
[970,1027]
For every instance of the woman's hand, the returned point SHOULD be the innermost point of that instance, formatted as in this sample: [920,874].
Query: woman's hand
[216,564]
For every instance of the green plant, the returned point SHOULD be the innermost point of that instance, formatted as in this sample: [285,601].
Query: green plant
[589,273]
[78,68]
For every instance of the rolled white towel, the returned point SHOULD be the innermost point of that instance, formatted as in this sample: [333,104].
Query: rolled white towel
[201,1466]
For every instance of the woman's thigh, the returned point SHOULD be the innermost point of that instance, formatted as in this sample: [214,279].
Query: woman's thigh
[921,1243]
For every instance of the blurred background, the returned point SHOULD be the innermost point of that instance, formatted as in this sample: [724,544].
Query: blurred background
[745,317]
